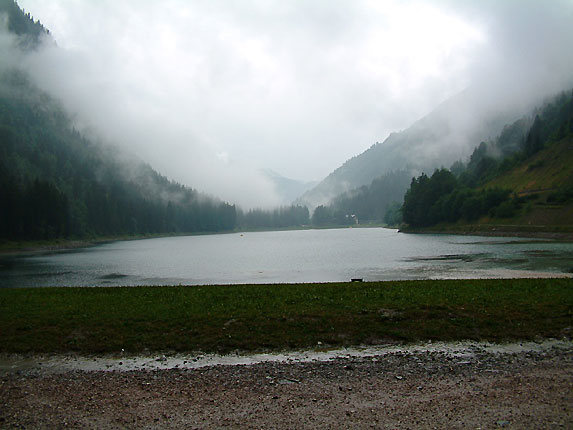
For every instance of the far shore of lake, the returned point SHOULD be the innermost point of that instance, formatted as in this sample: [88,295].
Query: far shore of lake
[22,248]
[495,232]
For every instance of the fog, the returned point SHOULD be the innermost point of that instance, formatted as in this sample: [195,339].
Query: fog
[210,92]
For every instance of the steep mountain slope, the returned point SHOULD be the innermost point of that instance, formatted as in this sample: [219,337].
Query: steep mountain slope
[17,22]
[545,172]
[368,203]
[527,189]
[544,185]
[447,134]
[55,182]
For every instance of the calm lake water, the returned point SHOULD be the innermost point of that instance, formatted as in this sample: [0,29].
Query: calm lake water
[289,256]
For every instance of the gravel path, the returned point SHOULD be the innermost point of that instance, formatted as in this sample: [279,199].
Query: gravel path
[401,390]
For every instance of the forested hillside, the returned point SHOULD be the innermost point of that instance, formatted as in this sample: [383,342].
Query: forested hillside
[524,176]
[56,183]
[368,203]
[446,134]
[21,24]
[528,167]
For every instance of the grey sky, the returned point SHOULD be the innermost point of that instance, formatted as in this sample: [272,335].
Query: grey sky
[210,91]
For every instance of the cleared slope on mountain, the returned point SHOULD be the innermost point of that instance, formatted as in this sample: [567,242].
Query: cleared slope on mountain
[545,182]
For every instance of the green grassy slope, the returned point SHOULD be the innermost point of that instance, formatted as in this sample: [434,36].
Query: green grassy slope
[545,172]
[545,183]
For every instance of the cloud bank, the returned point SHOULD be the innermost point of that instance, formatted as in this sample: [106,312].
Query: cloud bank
[209,92]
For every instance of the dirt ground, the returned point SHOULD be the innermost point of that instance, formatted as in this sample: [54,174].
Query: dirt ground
[402,390]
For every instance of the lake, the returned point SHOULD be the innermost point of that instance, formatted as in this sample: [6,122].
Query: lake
[289,256]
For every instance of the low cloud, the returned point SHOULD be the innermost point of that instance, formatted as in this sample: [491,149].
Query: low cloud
[210,92]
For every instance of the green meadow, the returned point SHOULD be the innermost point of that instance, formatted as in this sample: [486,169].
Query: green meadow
[250,318]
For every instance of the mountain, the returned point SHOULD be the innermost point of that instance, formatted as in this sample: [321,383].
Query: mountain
[445,135]
[368,203]
[29,32]
[285,188]
[522,180]
[57,183]
[54,182]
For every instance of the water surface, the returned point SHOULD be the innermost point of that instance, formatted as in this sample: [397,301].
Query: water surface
[289,256]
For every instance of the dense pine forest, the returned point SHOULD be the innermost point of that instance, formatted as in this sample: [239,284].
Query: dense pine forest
[57,183]
[464,191]
[21,24]
[277,218]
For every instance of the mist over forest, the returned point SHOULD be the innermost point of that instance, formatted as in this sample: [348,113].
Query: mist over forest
[172,117]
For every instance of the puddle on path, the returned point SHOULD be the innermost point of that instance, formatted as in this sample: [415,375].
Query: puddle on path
[47,364]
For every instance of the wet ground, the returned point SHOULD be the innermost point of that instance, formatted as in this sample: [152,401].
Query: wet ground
[467,385]
[123,362]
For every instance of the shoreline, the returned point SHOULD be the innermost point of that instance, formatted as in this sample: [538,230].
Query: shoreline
[548,235]
[62,245]
[26,250]
[388,383]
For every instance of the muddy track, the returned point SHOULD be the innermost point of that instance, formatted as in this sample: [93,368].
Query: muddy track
[400,390]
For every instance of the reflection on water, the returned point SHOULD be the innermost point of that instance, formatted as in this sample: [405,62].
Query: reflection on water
[289,256]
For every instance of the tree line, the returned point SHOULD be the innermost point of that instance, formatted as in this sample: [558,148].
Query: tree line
[276,218]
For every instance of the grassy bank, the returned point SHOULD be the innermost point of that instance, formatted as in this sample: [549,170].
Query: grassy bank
[259,317]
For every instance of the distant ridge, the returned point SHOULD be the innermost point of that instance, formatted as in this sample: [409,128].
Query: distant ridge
[447,134]
[287,189]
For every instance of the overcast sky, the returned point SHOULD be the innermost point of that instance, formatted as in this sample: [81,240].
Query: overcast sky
[209,91]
